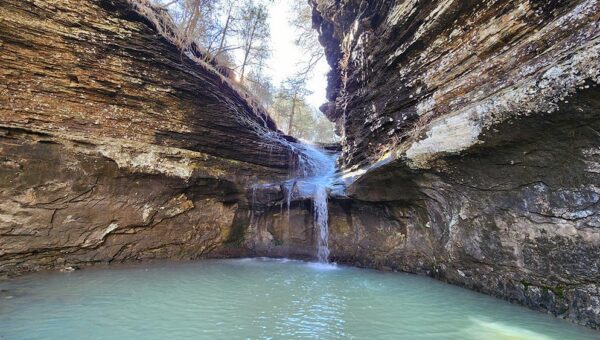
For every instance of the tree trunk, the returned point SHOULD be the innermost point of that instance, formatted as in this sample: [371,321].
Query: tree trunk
[248,48]
[291,122]
[225,29]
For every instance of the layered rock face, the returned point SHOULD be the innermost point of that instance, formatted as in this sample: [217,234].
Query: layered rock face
[114,145]
[405,72]
[471,146]
[97,68]
[473,128]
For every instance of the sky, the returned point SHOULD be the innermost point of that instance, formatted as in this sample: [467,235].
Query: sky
[286,55]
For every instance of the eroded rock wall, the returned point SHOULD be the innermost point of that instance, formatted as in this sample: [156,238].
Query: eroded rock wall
[518,217]
[67,203]
[422,79]
[473,129]
[95,67]
[362,233]
[115,146]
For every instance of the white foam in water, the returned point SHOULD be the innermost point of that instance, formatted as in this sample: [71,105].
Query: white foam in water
[321,266]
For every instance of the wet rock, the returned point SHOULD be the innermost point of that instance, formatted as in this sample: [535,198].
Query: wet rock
[115,146]
[472,127]
[422,79]
[68,269]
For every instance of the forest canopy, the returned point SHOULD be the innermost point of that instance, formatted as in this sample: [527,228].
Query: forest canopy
[236,35]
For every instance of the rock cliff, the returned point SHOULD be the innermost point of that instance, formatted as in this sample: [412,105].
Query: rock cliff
[115,145]
[472,130]
[471,149]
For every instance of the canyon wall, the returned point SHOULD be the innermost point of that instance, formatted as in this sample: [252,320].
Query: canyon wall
[471,144]
[115,145]
[471,149]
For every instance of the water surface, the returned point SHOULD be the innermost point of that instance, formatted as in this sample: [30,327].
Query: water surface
[260,299]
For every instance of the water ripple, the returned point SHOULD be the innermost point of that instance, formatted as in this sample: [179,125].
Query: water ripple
[260,299]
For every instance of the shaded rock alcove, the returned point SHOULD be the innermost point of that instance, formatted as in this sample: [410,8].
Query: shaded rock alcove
[471,148]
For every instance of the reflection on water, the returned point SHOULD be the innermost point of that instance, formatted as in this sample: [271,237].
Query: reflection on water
[500,330]
[260,298]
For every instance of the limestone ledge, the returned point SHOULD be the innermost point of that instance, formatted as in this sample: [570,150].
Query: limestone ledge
[70,201]
[454,70]
[540,94]
[144,158]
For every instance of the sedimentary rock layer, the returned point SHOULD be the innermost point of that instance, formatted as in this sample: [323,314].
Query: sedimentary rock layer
[69,203]
[114,145]
[421,79]
[97,68]
[473,128]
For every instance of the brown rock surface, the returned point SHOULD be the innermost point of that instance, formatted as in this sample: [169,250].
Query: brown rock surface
[115,146]
[423,79]
[473,128]
[96,68]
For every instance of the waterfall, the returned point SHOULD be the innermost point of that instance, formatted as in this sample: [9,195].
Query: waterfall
[321,213]
[314,178]
[318,171]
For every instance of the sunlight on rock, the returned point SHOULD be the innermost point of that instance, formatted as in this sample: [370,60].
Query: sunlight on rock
[433,144]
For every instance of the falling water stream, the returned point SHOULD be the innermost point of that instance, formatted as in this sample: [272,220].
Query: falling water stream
[313,179]
[320,175]
[321,223]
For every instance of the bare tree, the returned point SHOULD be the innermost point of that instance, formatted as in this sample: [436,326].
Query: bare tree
[294,90]
[225,30]
[192,17]
[307,39]
[253,34]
